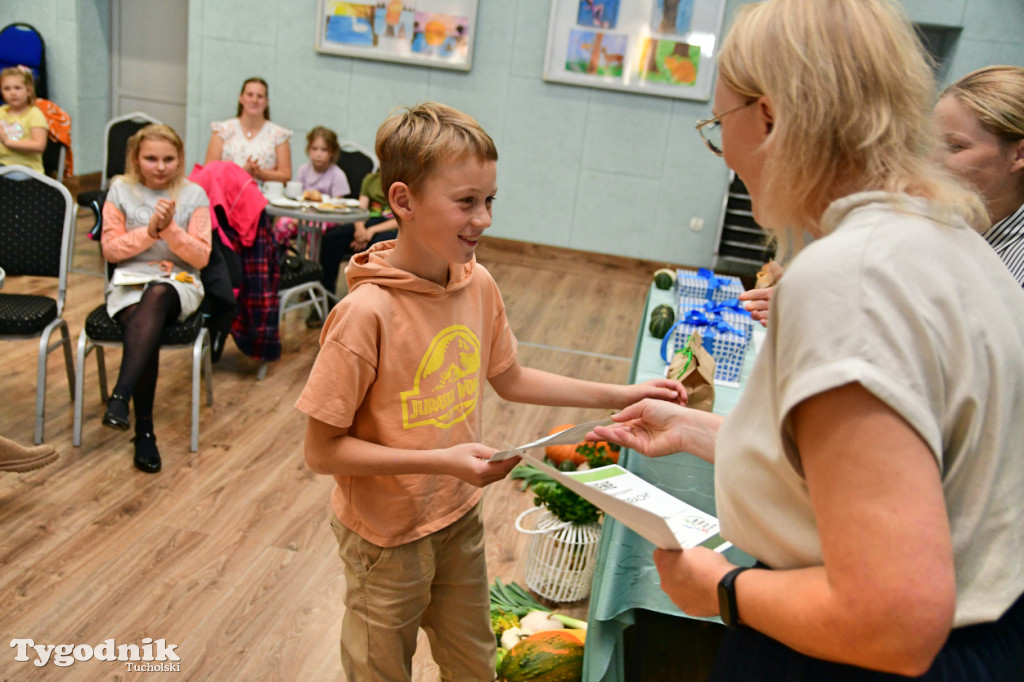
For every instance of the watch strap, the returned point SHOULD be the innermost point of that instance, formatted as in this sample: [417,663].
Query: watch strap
[727,597]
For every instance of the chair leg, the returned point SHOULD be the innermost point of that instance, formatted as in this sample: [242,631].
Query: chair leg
[44,341]
[261,373]
[44,352]
[101,366]
[83,352]
[200,350]
[69,362]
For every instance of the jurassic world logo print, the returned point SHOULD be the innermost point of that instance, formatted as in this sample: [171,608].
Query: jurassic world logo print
[447,383]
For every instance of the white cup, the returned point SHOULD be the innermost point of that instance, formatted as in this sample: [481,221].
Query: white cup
[293,189]
[273,189]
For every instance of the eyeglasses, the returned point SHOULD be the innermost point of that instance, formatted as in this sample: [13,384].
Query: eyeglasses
[710,129]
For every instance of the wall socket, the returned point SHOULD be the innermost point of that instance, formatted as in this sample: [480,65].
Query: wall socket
[696,224]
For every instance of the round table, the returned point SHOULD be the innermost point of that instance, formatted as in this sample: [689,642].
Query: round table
[310,222]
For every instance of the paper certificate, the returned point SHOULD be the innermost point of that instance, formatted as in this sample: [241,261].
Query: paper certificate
[664,520]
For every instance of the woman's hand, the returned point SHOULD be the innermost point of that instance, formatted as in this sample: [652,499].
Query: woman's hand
[658,427]
[690,578]
[468,461]
[252,168]
[162,216]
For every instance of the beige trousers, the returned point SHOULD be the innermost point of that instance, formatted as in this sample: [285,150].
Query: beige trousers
[439,583]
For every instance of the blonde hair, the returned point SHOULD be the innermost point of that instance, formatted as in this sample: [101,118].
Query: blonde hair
[995,95]
[412,141]
[330,139]
[154,131]
[25,74]
[852,90]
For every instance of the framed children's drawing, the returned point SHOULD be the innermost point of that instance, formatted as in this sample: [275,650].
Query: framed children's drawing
[435,33]
[652,47]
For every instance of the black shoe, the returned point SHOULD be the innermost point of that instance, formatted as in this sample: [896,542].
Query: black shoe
[147,457]
[116,416]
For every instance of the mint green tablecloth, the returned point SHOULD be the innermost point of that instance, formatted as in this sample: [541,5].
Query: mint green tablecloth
[626,578]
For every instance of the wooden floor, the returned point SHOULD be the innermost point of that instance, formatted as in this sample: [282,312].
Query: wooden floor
[227,552]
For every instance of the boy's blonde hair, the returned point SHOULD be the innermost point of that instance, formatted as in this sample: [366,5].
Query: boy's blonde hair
[330,139]
[852,91]
[154,131]
[995,95]
[25,74]
[412,141]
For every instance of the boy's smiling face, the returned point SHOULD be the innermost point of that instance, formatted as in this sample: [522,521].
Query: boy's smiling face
[442,221]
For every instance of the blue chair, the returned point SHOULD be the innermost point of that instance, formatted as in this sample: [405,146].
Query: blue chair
[21,45]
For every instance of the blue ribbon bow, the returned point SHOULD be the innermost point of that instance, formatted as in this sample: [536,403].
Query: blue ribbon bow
[730,305]
[713,282]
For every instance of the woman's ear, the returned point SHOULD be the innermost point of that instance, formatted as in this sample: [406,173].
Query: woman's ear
[766,113]
[1018,158]
[400,199]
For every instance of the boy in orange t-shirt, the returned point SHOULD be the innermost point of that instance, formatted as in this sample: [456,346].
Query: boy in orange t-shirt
[394,406]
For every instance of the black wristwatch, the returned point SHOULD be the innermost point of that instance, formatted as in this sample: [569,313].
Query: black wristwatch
[727,597]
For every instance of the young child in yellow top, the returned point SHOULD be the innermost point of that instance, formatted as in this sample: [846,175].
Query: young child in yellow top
[394,406]
[23,127]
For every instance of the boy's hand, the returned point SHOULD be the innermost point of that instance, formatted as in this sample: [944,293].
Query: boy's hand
[468,461]
[660,389]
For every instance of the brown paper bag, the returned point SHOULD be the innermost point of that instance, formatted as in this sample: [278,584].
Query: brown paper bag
[695,368]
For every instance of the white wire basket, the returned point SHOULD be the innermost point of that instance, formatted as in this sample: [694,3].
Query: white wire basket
[561,557]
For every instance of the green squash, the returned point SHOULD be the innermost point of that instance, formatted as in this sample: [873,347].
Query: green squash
[552,656]
[663,309]
[661,322]
[664,278]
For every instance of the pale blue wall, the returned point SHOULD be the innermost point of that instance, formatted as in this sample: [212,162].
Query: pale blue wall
[77,38]
[588,169]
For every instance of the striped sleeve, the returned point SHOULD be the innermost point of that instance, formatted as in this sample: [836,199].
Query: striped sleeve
[1007,238]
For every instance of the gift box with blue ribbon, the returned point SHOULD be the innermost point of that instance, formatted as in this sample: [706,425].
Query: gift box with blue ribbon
[726,333]
[706,285]
[731,311]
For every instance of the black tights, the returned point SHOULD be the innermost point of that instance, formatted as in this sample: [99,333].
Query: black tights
[143,325]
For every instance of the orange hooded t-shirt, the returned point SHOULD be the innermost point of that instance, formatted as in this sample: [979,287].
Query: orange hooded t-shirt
[402,363]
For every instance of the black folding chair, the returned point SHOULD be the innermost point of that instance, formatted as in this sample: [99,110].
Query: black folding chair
[116,134]
[357,162]
[35,240]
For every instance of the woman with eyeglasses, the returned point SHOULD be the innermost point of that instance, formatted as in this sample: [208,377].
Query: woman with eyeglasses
[872,465]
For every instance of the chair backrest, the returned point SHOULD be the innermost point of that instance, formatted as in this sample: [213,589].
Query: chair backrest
[53,159]
[35,226]
[357,162]
[21,44]
[117,133]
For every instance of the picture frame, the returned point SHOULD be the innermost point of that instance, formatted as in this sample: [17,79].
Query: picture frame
[434,33]
[652,47]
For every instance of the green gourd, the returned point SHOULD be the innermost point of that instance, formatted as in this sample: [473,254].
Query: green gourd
[663,309]
[661,322]
[551,656]
[664,278]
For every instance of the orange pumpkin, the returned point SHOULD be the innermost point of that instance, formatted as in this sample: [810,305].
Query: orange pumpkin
[562,453]
[571,453]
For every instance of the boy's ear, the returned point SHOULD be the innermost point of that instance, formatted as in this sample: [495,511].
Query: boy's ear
[400,199]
